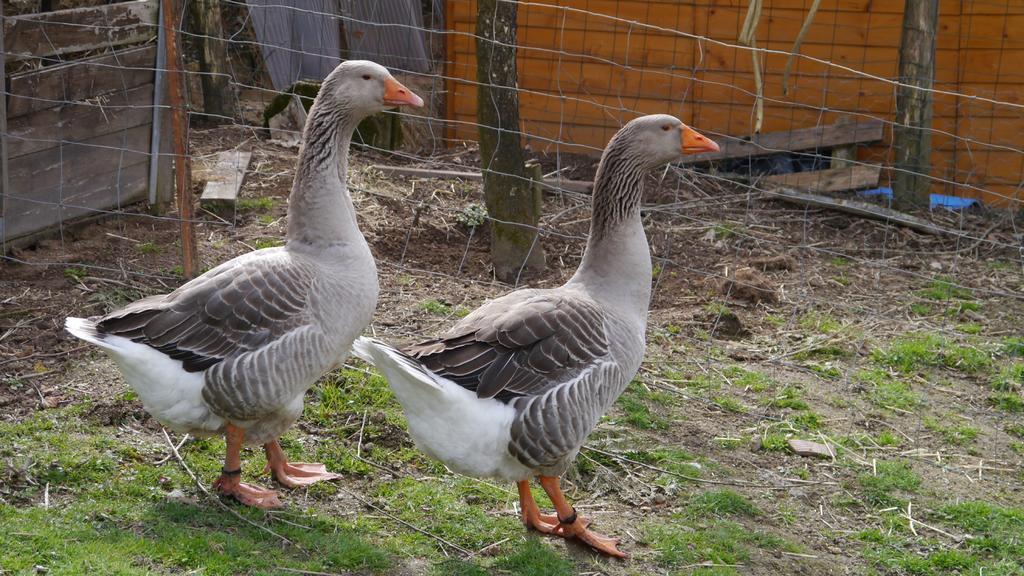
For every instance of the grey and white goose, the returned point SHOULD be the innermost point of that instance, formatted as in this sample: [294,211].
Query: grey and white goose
[233,351]
[515,387]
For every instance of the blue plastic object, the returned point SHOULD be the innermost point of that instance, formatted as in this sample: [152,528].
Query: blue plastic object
[951,202]
[884,192]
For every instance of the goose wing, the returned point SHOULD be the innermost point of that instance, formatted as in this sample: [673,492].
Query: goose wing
[238,307]
[522,345]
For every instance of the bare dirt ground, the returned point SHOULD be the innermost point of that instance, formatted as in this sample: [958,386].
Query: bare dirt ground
[896,351]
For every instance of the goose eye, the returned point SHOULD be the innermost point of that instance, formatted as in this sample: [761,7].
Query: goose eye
[666,127]
[366,76]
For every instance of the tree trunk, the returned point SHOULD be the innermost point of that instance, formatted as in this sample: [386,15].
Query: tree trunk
[912,130]
[512,201]
[217,97]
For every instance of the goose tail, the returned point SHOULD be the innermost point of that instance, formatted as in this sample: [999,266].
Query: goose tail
[86,330]
[393,363]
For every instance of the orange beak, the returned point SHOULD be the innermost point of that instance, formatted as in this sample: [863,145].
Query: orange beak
[397,95]
[694,142]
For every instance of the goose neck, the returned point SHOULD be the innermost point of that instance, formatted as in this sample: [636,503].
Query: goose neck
[616,264]
[320,210]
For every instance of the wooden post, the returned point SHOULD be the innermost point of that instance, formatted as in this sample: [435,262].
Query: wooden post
[912,130]
[205,15]
[4,185]
[175,81]
[508,191]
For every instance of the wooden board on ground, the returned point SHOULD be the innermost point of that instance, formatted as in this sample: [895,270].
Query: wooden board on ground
[802,139]
[858,208]
[79,29]
[224,179]
[831,180]
[54,127]
[550,183]
[57,85]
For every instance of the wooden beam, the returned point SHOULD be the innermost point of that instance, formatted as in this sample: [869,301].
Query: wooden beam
[224,179]
[4,187]
[554,184]
[827,136]
[872,211]
[57,85]
[182,162]
[213,58]
[80,120]
[831,180]
[79,29]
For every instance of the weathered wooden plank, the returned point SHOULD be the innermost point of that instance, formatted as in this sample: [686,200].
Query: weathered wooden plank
[56,85]
[857,208]
[79,29]
[223,180]
[801,139]
[832,180]
[75,122]
[52,186]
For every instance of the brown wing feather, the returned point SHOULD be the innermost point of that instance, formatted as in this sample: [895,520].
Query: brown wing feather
[510,350]
[236,307]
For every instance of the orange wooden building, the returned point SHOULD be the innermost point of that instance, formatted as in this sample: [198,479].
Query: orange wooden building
[587,66]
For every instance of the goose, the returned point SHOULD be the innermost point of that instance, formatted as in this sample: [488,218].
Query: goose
[233,351]
[514,388]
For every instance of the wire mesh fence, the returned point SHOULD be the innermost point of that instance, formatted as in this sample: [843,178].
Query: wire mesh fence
[777,253]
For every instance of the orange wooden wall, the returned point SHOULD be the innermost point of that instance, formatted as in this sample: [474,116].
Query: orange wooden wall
[588,66]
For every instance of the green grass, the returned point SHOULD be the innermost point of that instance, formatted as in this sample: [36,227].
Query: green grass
[1013,346]
[1007,401]
[775,442]
[262,204]
[995,546]
[719,503]
[886,392]
[437,307]
[1015,430]
[748,379]
[684,541]
[729,404]
[957,434]
[635,404]
[945,289]
[673,460]
[149,248]
[821,322]
[110,514]
[262,243]
[970,328]
[725,230]
[887,483]
[75,273]
[915,352]
[1010,377]
[789,397]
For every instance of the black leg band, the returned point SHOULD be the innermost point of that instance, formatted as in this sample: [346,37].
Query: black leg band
[570,520]
[238,472]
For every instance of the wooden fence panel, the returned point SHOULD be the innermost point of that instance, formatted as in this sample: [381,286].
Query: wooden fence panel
[79,29]
[56,85]
[54,185]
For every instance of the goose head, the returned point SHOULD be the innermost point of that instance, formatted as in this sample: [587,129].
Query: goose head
[661,138]
[364,88]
